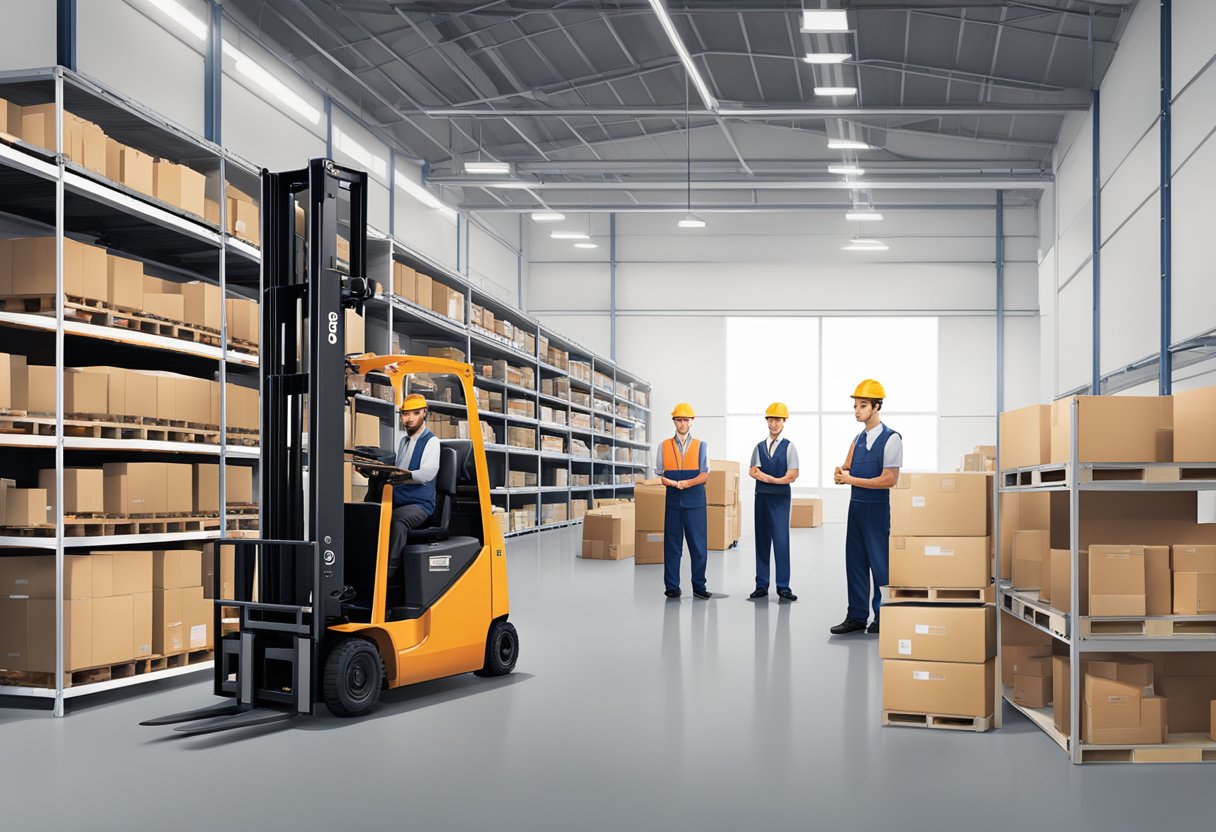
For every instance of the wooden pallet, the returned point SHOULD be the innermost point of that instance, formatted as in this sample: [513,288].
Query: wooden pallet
[945,722]
[937,595]
[1037,613]
[105,426]
[1155,627]
[243,519]
[1056,475]
[105,673]
[241,345]
[102,313]
[246,437]
[1178,748]
[102,525]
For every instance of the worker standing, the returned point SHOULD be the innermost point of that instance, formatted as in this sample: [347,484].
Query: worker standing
[414,500]
[774,465]
[872,469]
[682,464]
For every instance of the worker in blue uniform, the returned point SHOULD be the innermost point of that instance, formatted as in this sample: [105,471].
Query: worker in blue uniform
[774,466]
[414,499]
[682,464]
[872,470]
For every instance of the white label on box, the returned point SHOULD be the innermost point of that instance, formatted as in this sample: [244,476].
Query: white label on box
[918,502]
[930,630]
[938,552]
[905,647]
[198,635]
[21,581]
[922,629]
[925,676]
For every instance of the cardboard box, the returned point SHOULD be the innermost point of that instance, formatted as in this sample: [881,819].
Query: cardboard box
[1116,713]
[1061,581]
[938,634]
[1114,429]
[34,577]
[1188,681]
[366,430]
[113,629]
[648,547]
[1026,437]
[1031,549]
[206,487]
[244,407]
[1195,425]
[197,619]
[1020,645]
[806,513]
[722,489]
[244,220]
[170,307]
[405,282]
[720,526]
[141,395]
[27,635]
[225,561]
[1158,586]
[1020,511]
[1193,557]
[943,562]
[945,688]
[203,304]
[650,498]
[355,332]
[951,505]
[137,487]
[1116,580]
[180,186]
[26,507]
[38,126]
[1061,693]
[1032,691]
[423,290]
[84,143]
[34,269]
[167,630]
[130,167]
[10,118]
[244,321]
[130,571]
[83,489]
[608,533]
[14,382]
[238,485]
[1194,593]
[125,283]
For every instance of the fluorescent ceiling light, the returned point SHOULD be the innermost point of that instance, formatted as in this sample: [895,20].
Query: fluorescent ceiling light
[182,17]
[547,216]
[669,29]
[487,167]
[863,216]
[252,70]
[511,185]
[692,221]
[845,170]
[585,245]
[422,194]
[825,20]
[835,90]
[370,161]
[827,57]
[865,244]
[569,235]
[847,144]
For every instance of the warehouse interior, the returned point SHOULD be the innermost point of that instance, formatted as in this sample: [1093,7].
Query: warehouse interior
[602,216]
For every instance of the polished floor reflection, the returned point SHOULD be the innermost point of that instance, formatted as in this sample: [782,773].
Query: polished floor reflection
[629,711]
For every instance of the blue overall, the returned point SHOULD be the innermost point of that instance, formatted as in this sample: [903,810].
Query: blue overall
[867,541]
[773,518]
[686,516]
[421,494]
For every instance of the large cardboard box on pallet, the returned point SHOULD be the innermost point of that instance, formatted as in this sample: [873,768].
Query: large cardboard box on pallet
[27,634]
[954,505]
[1119,713]
[938,634]
[1195,425]
[943,562]
[130,167]
[806,513]
[244,321]
[83,489]
[203,303]
[1193,569]
[34,268]
[167,606]
[84,391]
[1114,429]
[14,381]
[608,532]
[25,507]
[180,186]
[197,619]
[125,283]
[148,488]
[942,688]
[1026,437]
[1020,511]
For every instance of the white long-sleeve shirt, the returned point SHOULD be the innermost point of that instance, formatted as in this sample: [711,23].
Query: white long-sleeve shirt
[428,466]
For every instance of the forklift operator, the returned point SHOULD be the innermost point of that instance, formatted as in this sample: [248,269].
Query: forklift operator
[413,501]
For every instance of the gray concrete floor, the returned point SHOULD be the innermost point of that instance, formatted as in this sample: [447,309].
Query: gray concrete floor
[627,711]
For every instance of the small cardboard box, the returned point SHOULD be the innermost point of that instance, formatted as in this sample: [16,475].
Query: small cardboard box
[83,489]
[197,618]
[238,484]
[202,304]
[405,282]
[244,220]
[1032,691]
[938,634]
[1016,658]
[113,629]
[38,126]
[720,526]
[650,499]
[14,382]
[608,533]
[1194,593]
[1031,549]
[206,479]
[1114,429]
[34,268]
[943,562]
[1026,437]
[180,186]
[951,505]
[34,577]
[1116,580]
[947,688]
[84,143]
[170,307]
[167,635]
[133,488]
[1117,713]
[26,507]
[648,547]
[1193,557]
[423,291]
[1061,580]
[1020,511]
[130,167]
[1195,425]
[806,513]
[355,333]
[243,319]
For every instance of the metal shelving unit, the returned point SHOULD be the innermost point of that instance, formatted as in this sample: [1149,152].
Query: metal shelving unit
[1071,628]
[42,193]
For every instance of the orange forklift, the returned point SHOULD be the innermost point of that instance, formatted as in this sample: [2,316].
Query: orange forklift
[328,623]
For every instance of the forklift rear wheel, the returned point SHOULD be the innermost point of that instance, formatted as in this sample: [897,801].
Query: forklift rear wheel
[353,677]
[502,649]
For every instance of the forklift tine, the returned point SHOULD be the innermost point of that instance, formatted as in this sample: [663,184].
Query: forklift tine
[221,709]
[248,719]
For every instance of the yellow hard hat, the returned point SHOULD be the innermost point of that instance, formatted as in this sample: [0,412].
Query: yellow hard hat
[413,402]
[683,411]
[777,410]
[869,389]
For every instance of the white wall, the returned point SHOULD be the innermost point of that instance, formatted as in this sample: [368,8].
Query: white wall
[30,45]
[1130,233]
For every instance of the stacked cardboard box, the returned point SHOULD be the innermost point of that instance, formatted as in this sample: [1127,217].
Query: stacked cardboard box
[1193,568]
[1194,425]
[650,500]
[806,513]
[1121,707]
[982,459]
[608,532]
[521,437]
[244,321]
[722,494]
[181,612]
[940,660]
[551,513]
[244,220]
[22,507]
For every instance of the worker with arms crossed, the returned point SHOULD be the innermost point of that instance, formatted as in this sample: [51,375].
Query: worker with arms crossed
[872,469]
[682,464]
[774,465]
[414,500]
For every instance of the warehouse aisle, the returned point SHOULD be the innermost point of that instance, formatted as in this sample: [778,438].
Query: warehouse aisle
[628,711]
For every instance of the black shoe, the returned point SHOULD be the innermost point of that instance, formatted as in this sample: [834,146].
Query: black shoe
[786,595]
[672,593]
[758,593]
[873,628]
[702,593]
[848,626]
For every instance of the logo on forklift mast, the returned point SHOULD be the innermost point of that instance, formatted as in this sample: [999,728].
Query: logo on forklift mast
[333,328]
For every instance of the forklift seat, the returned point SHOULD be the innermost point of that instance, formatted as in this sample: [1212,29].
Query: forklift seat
[453,455]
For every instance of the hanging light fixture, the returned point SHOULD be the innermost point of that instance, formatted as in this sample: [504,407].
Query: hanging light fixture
[691,220]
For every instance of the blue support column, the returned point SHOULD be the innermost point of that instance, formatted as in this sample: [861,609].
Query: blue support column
[213,68]
[1165,364]
[65,33]
[1096,243]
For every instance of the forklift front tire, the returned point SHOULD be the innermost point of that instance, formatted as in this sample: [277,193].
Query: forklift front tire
[353,677]
[502,650]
